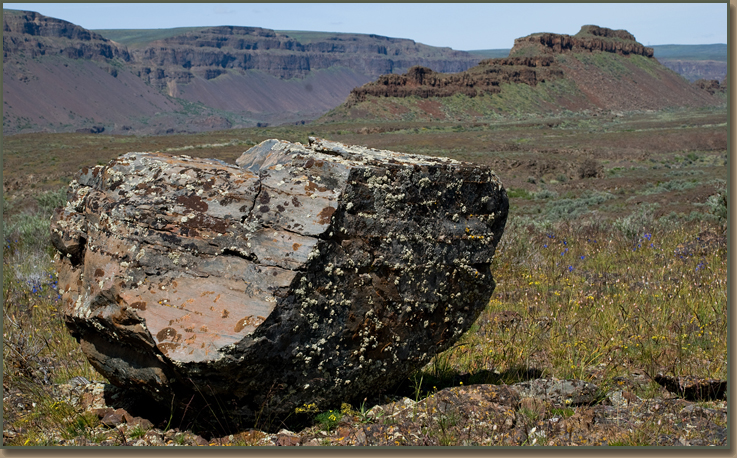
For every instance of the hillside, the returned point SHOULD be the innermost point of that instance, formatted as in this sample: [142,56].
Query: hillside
[596,69]
[693,62]
[59,77]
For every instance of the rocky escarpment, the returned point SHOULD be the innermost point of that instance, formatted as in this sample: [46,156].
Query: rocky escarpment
[711,86]
[597,69]
[589,38]
[211,52]
[33,35]
[531,61]
[694,70]
[487,78]
[310,274]
[239,76]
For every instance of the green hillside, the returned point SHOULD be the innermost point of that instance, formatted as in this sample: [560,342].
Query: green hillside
[140,37]
[490,53]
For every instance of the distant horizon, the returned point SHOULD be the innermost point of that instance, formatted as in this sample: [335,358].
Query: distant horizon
[459,26]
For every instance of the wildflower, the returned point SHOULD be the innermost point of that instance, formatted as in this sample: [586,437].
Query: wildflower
[583,257]
[570,268]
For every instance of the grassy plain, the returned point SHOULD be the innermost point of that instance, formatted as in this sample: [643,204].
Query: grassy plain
[613,262]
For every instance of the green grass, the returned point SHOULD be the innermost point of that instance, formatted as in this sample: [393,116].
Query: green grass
[38,352]
[142,37]
[490,53]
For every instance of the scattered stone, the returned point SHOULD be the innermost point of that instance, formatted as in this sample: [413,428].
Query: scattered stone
[310,274]
[559,392]
[286,438]
[113,418]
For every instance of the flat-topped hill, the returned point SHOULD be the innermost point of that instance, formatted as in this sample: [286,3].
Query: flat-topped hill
[596,69]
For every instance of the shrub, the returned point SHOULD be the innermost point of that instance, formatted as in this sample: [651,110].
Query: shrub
[574,207]
[635,224]
[545,194]
[329,420]
[589,168]
[521,193]
[716,205]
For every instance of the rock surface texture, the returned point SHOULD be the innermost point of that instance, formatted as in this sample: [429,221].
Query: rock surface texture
[308,274]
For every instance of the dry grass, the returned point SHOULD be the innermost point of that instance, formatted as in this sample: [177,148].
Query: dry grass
[588,302]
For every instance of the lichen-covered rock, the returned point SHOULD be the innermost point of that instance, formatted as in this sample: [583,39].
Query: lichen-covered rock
[310,274]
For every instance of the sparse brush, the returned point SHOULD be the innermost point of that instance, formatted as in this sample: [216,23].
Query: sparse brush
[38,352]
[594,305]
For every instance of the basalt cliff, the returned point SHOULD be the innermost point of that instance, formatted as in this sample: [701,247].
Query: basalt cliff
[60,77]
[598,69]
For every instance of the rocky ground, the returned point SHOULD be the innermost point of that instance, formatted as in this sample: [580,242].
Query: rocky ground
[538,412]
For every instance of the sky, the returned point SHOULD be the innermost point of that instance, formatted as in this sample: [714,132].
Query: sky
[461,26]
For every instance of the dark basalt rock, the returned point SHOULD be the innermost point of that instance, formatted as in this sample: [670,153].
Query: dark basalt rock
[310,274]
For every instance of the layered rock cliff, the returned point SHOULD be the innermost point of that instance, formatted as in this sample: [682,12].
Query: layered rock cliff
[596,69]
[32,35]
[54,75]
[211,52]
[589,38]
[487,77]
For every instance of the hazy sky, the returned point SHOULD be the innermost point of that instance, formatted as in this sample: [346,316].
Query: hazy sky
[461,26]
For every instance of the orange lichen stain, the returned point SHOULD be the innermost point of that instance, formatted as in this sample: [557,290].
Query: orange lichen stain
[206,293]
[225,314]
[174,283]
[203,328]
[248,321]
[312,187]
[167,347]
[139,305]
[325,215]
[188,329]
[99,273]
[217,298]
[296,246]
[168,334]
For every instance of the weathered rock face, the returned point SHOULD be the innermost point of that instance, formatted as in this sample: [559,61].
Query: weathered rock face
[210,51]
[589,38]
[52,36]
[308,274]
[484,78]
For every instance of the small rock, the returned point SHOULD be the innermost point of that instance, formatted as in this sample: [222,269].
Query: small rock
[286,438]
[559,392]
[113,418]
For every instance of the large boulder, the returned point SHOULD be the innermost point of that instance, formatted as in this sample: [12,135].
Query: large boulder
[306,274]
